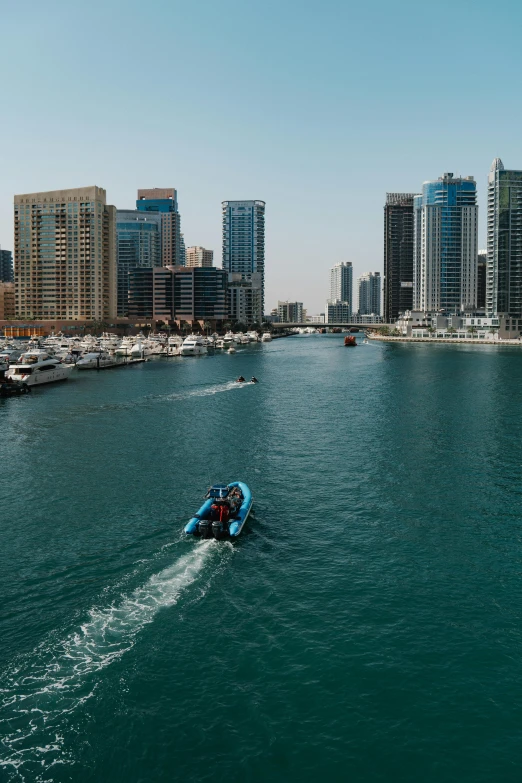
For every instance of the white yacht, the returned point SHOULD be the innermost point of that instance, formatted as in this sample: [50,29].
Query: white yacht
[229,341]
[252,337]
[174,344]
[266,337]
[220,343]
[193,345]
[97,360]
[36,367]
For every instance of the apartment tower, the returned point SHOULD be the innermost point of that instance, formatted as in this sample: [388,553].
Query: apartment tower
[398,255]
[445,245]
[165,202]
[244,246]
[369,294]
[65,255]
[504,242]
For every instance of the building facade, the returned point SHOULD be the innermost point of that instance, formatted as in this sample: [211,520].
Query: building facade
[481,279]
[244,244]
[138,237]
[200,294]
[6,266]
[7,301]
[65,255]
[337,312]
[290,312]
[398,254]
[151,294]
[244,298]
[369,294]
[504,242]
[341,282]
[445,245]
[199,256]
[165,202]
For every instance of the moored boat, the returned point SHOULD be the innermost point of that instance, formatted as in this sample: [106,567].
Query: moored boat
[224,512]
[37,367]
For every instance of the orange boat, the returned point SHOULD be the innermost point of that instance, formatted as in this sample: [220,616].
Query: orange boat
[350,342]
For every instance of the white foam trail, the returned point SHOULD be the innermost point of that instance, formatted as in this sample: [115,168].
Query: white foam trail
[57,678]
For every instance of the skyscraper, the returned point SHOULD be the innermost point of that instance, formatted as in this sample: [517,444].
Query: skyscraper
[165,201]
[244,244]
[65,255]
[139,245]
[504,270]
[341,282]
[445,245]
[481,279]
[6,266]
[290,312]
[369,294]
[398,255]
[199,256]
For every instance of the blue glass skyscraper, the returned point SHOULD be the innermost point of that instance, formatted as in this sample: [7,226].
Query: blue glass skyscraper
[445,245]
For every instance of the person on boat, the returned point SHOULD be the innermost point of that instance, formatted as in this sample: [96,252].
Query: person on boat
[253,379]
[240,379]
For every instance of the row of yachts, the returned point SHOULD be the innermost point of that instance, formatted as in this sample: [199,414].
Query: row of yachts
[52,359]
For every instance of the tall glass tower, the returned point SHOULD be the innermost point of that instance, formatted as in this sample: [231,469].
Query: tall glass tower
[138,236]
[445,245]
[244,245]
[165,202]
[504,253]
[398,255]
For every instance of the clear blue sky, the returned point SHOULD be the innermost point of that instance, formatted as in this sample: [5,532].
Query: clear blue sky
[318,108]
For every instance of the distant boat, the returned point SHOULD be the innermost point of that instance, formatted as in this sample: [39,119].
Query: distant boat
[266,337]
[350,342]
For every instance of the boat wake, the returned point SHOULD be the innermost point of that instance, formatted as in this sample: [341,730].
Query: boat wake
[38,693]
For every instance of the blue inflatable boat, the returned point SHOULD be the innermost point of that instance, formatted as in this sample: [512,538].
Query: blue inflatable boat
[224,512]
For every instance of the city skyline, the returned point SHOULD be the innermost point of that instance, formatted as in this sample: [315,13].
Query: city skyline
[265,142]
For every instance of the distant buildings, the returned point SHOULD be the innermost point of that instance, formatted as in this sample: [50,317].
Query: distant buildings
[65,255]
[369,294]
[337,312]
[341,291]
[138,245]
[504,240]
[445,245]
[6,266]
[398,255]
[341,282]
[290,312]
[199,256]
[165,202]
[244,247]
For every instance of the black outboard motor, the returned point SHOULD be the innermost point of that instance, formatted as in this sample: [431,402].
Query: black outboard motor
[205,528]
[218,529]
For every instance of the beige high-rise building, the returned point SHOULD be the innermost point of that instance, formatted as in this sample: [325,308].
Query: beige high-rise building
[7,300]
[199,256]
[65,255]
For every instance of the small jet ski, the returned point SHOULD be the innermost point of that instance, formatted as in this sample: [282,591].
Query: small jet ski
[253,379]
[224,512]
[241,379]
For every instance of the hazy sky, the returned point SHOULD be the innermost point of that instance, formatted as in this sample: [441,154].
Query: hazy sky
[318,108]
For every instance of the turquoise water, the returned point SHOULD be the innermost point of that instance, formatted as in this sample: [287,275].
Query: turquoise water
[365,628]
